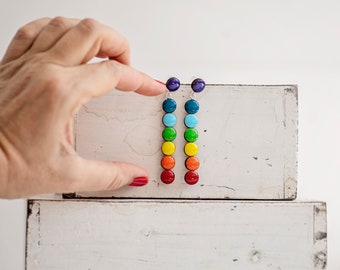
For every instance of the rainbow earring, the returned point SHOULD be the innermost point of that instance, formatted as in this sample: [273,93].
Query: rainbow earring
[169,133]
[192,106]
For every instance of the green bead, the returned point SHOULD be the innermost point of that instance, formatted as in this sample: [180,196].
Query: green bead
[169,134]
[191,135]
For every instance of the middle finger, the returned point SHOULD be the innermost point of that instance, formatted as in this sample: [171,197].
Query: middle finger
[51,33]
[88,39]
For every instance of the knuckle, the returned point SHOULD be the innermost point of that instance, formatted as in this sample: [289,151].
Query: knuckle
[89,24]
[115,184]
[26,32]
[54,84]
[55,88]
[112,65]
[114,179]
[59,22]
[114,68]
[126,46]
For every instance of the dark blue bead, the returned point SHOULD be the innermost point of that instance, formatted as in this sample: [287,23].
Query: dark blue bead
[197,85]
[173,84]
[169,105]
[192,106]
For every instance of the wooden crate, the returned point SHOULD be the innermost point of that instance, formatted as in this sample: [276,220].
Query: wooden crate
[175,234]
[247,141]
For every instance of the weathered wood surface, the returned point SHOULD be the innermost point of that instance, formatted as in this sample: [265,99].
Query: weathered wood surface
[175,234]
[247,141]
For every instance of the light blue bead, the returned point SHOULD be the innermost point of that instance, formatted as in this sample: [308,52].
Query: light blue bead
[169,120]
[191,120]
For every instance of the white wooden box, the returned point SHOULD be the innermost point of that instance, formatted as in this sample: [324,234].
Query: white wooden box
[247,141]
[175,234]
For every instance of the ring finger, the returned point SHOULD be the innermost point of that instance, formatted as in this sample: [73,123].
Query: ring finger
[51,33]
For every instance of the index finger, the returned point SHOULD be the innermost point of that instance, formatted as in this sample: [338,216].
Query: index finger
[88,39]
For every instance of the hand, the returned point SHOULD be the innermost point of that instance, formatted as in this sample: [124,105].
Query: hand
[44,79]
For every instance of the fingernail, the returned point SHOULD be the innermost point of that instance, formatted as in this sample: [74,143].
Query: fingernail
[139,181]
[160,82]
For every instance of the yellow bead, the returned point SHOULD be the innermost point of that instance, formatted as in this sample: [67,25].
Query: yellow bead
[168,148]
[191,149]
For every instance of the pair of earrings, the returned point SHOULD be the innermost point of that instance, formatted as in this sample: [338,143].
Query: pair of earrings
[191,134]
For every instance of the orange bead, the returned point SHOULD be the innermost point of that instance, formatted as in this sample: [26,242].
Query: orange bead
[192,163]
[168,162]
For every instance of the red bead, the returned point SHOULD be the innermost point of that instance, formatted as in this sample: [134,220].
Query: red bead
[191,177]
[167,176]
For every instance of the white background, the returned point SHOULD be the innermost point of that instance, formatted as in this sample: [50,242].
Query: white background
[262,42]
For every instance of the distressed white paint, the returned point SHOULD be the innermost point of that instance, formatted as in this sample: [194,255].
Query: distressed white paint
[247,141]
[176,234]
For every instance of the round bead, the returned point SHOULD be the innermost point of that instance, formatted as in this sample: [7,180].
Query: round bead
[192,163]
[191,135]
[173,84]
[168,162]
[169,105]
[168,148]
[191,177]
[191,149]
[197,85]
[167,176]
[169,120]
[169,134]
[191,120]
[192,106]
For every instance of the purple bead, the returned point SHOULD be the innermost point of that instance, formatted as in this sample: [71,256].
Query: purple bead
[173,84]
[197,85]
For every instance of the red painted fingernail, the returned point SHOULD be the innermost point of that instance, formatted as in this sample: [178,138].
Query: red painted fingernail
[139,181]
[160,82]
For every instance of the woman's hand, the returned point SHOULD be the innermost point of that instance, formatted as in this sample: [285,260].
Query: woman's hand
[44,79]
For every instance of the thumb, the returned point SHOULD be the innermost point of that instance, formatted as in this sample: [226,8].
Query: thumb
[94,175]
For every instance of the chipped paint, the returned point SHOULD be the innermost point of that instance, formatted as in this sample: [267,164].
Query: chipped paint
[320,235]
[320,260]
[175,234]
[255,256]
[290,190]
